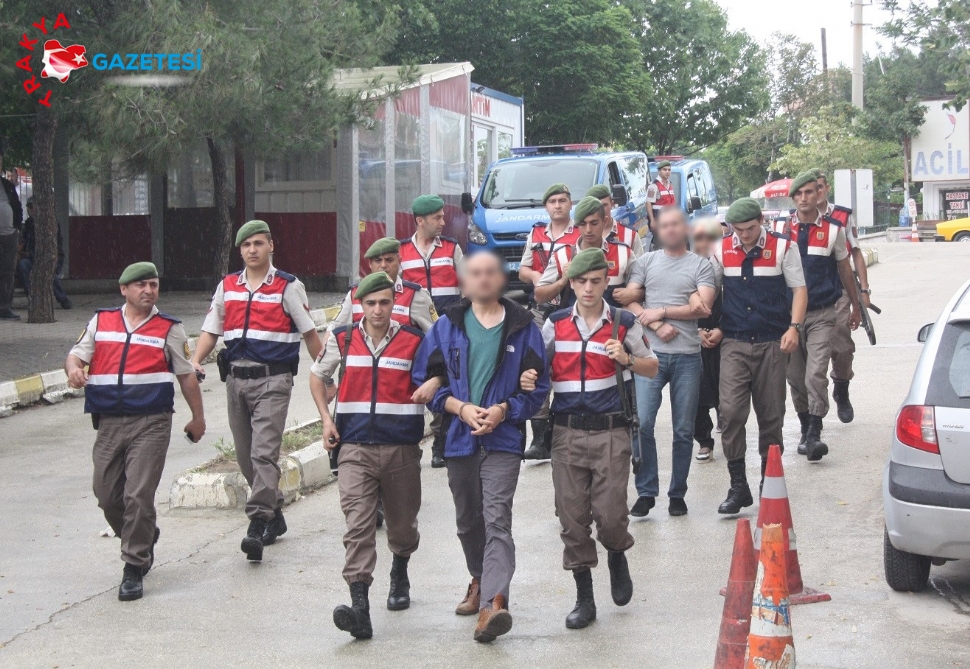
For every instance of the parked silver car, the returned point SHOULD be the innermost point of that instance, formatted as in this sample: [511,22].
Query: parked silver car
[926,484]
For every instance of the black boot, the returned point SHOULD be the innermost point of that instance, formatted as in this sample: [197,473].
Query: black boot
[399,598]
[130,584]
[764,468]
[585,610]
[356,617]
[621,585]
[739,495]
[274,528]
[438,449]
[840,393]
[541,439]
[803,419]
[252,545]
[813,440]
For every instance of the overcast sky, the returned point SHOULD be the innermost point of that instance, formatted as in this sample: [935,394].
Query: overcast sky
[806,19]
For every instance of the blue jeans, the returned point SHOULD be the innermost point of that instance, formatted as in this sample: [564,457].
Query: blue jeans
[683,372]
[26,265]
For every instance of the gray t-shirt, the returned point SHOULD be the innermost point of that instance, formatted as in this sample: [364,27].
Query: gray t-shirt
[669,281]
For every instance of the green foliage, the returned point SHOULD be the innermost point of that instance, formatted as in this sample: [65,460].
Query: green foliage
[226,449]
[707,80]
[740,163]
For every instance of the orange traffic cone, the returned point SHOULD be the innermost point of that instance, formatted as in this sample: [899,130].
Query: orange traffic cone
[770,643]
[736,619]
[774,509]
[914,235]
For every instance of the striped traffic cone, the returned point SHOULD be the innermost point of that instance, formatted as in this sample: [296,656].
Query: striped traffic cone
[774,509]
[736,619]
[770,643]
[914,235]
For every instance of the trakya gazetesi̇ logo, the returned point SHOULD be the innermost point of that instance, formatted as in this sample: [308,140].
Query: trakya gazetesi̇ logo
[61,60]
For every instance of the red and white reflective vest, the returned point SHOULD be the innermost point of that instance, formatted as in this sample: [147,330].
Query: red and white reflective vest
[618,259]
[401,312]
[256,327]
[129,373]
[665,194]
[818,260]
[438,274]
[842,214]
[374,399]
[622,234]
[544,247]
[583,375]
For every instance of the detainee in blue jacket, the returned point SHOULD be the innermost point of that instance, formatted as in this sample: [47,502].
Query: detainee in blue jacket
[483,345]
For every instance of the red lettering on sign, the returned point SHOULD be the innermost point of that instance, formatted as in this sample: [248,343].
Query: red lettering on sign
[42,25]
[31,85]
[481,105]
[24,63]
[28,43]
[46,100]
[61,22]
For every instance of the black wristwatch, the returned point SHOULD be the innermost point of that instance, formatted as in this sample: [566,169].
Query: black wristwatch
[865,291]
[797,326]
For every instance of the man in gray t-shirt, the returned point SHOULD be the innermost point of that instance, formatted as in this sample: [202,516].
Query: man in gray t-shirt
[678,288]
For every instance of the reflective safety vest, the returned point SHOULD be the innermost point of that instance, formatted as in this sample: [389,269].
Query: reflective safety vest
[842,214]
[665,194]
[618,259]
[583,375]
[816,244]
[256,327]
[374,399]
[756,305]
[129,373]
[401,312]
[438,274]
[544,247]
[623,234]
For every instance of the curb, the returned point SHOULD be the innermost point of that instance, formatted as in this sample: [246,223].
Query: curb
[51,387]
[300,472]
[871,255]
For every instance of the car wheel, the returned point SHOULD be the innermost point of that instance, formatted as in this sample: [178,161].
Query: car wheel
[905,572]
[962,237]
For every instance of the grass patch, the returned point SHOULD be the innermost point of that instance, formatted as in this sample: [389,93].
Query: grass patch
[293,440]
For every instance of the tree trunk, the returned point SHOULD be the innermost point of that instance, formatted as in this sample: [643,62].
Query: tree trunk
[220,199]
[45,222]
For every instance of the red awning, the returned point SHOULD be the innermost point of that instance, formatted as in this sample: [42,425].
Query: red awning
[774,189]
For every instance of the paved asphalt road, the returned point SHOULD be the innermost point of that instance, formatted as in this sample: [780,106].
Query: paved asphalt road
[205,606]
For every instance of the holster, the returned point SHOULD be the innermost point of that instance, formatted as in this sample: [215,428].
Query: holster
[222,362]
[96,420]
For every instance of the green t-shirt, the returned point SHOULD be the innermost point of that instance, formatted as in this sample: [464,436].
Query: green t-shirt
[482,354]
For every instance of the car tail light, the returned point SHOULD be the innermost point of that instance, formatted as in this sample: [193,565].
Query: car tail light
[916,428]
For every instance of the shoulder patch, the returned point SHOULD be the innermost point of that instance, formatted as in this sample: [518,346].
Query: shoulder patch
[286,276]
[433,312]
[411,285]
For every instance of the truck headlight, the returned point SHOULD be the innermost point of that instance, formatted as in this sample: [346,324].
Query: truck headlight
[476,236]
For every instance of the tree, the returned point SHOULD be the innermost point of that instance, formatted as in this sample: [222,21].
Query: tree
[941,27]
[741,162]
[707,80]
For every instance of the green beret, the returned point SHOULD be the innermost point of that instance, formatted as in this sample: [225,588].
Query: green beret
[555,189]
[424,205]
[742,210]
[373,283]
[806,177]
[599,191]
[138,271]
[586,261]
[819,174]
[249,229]
[382,246]
[662,164]
[587,206]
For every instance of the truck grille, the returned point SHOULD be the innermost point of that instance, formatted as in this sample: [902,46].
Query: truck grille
[509,237]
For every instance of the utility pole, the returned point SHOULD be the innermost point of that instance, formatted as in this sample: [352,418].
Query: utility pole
[825,64]
[857,97]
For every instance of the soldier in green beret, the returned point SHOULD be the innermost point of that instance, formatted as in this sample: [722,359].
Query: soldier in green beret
[261,313]
[660,194]
[133,354]
[615,230]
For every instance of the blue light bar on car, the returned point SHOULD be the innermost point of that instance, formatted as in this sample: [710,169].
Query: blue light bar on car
[554,149]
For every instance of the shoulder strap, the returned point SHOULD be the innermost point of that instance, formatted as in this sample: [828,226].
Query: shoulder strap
[348,335]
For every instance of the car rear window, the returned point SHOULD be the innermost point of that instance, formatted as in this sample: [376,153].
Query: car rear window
[950,382]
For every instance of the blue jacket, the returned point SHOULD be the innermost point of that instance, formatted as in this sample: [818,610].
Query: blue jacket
[445,351]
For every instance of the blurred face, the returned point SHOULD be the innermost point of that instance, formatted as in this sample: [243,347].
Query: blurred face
[823,191]
[482,277]
[806,200]
[703,243]
[672,229]
[377,308]
[432,225]
[607,208]
[558,207]
[141,295]
[30,209]
[664,173]
[749,232]
[389,262]
[591,231]
[590,287]
[255,250]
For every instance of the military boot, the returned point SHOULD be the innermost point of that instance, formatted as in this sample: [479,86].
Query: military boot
[252,544]
[764,468]
[621,585]
[803,419]
[276,527]
[131,588]
[813,440]
[399,598]
[739,495]
[438,449]
[541,440]
[585,610]
[840,393]
[356,617]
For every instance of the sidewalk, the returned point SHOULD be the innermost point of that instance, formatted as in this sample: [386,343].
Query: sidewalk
[30,348]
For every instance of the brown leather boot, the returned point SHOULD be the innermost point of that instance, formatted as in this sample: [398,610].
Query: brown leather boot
[472,602]
[493,622]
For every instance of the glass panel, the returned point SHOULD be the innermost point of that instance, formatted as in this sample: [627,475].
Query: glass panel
[190,178]
[483,152]
[635,169]
[522,183]
[504,145]
[407,170]
[314,166]
[373,184]
[448,143]
[129,197]
[85,199]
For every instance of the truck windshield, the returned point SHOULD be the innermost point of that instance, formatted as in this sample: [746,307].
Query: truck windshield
[520,184]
